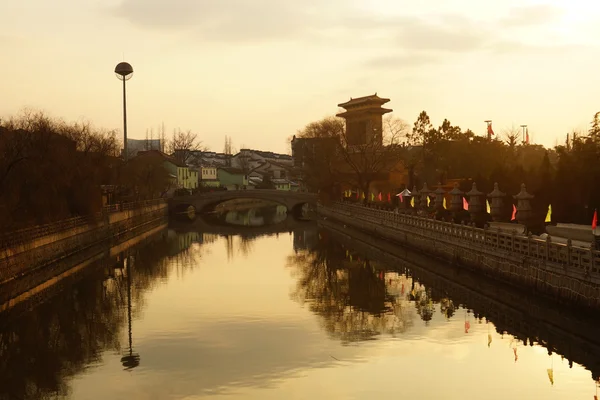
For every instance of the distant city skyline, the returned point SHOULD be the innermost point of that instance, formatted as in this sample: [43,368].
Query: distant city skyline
[259,71]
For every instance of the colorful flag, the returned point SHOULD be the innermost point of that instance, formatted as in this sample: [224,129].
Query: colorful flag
[389,198]
[357,194]
[465,204]
[514,213]
[490,130]
[401,198]
[595,220]
[444,204]
[412,201]
[549,215]
[551,375]
[488,209]
[372,196]
[379,196]
[489,339]
[428,201]
[516,355]
[467,326]
[363,195]
[526,135]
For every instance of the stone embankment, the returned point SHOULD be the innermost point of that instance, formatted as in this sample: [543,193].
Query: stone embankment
[24,252]
[565,272]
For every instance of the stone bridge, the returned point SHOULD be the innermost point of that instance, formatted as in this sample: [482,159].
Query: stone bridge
[204,202]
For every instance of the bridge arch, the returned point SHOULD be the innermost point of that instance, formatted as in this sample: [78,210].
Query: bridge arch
[203,202]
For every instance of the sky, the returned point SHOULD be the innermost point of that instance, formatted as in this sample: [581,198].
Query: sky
[260,70]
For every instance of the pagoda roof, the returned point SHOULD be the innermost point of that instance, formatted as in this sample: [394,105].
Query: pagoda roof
[359,101]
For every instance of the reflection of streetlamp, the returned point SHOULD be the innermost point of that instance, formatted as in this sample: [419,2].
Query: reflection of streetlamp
[124,72]
[132,359]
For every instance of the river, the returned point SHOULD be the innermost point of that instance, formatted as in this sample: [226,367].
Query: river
[286,309]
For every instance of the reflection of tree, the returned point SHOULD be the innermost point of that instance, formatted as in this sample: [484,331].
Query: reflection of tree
[42,348]
[352,299]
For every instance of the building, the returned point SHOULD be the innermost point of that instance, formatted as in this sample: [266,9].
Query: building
[249,159]
[232,178]
[183,176]
[363,117]
[208,176]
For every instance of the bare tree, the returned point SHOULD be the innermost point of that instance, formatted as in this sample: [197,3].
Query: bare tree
[396,127]
[355,164]
[228,150]
[184,144]
[511,136]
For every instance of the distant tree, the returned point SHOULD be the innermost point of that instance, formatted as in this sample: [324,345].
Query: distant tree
[357,165]
[511,137]
[183,145]
[228,150]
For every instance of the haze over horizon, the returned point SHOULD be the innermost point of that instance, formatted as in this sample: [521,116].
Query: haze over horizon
[260,70]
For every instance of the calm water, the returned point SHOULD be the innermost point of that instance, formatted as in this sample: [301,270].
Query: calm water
[268,315]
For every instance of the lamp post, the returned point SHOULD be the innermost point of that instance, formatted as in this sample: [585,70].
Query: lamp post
[524,138]
[124,72]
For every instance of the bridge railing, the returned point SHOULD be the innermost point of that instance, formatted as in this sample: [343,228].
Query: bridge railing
[10,239]
[586,260]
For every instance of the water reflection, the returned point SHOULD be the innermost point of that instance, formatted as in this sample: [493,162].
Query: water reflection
[184,318]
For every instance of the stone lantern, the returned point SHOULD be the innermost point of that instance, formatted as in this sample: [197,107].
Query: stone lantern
[497,206]
[476,205]
[424,194]
[415,194]
[456,202]
[406,196]
[439,198]
[524,210]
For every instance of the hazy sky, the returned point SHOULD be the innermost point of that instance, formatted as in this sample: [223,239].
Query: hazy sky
[259,70]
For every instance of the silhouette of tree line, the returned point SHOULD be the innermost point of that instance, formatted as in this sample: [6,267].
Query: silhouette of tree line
[51,170]
[566,176]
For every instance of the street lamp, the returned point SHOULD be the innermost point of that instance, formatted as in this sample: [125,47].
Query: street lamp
[524,127]
[124,72]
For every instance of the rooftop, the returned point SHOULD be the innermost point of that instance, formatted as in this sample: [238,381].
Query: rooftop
[158,153]
[365,100]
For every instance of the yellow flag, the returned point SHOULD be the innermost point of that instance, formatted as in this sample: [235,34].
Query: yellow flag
[444,204]
[487,207]
[347,253]
[549,215]
[350,257]
[372,197]
[412,202]
[489,340]
[363,195]
[551,375]
[428,201]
